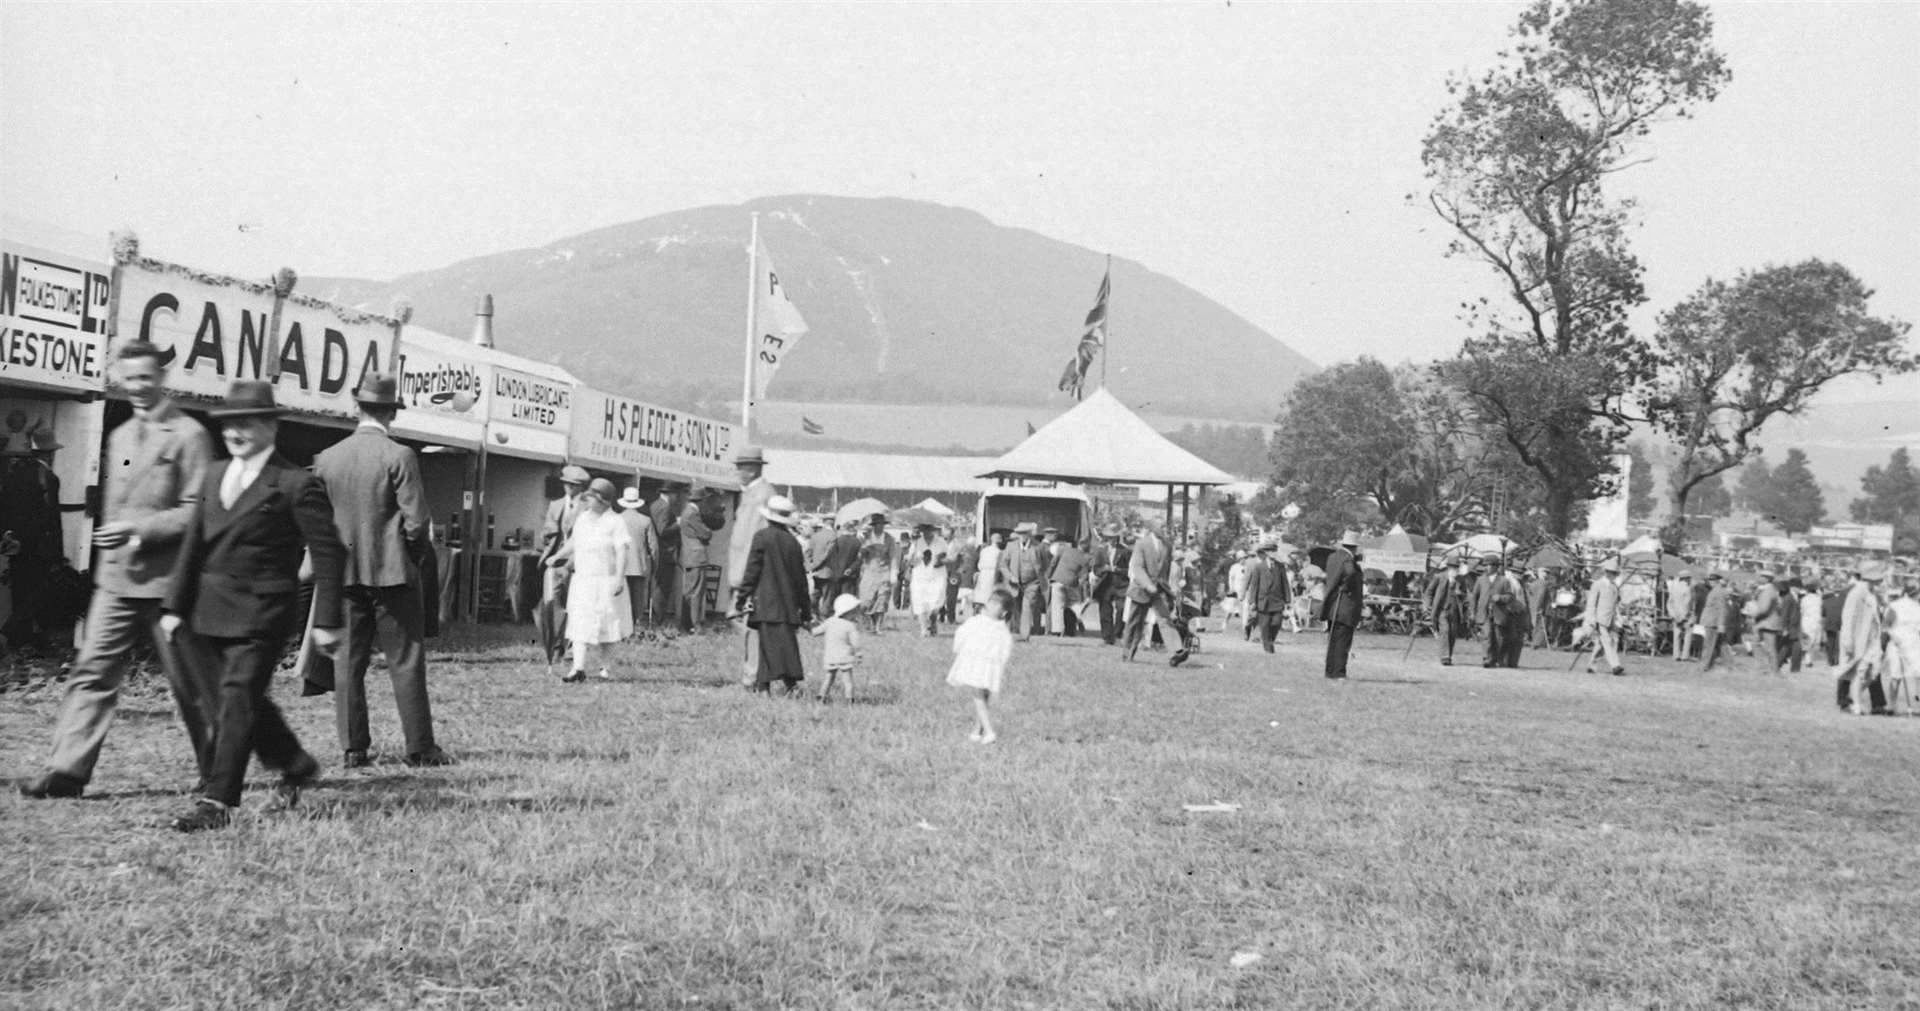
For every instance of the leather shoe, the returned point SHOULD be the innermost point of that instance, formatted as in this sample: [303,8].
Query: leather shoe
[356,760]
[205,814]
[51,785]
[429,757]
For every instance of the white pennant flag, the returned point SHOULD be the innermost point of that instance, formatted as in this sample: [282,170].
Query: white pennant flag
[777,325]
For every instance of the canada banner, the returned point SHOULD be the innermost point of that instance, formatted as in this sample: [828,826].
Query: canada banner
[777,325]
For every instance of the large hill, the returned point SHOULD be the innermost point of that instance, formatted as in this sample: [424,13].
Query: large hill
[907,303]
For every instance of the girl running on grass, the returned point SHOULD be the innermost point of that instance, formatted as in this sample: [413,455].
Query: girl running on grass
[981,648]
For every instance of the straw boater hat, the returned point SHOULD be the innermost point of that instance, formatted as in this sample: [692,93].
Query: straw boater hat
[630,498]
[1350,539]
[377,390]
[779,509]
[573,474]
[1026,528]
[844,603]
[750,454]
[1873,571]
[247,398]
[1269,546]
[1610,565]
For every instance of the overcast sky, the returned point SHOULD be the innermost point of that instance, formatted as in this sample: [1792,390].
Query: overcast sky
[1259,153]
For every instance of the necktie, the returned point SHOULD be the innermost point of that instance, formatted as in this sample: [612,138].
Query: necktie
[233,483]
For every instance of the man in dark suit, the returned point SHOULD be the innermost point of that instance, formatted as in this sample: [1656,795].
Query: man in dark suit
[1507,618]
[1109,574]
[237,583]
[772,598]
[1268,594]
[1341,608]
[380,510]
[1149,589]
[155,463]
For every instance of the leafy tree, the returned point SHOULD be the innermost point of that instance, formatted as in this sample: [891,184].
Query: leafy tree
[1793,499]
[1736,355]
[1639,483]
[1362,442]
[1711,498]
[1891,495]
[1756,483]
[1516,165]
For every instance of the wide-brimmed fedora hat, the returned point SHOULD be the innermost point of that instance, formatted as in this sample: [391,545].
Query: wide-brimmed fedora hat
[750,454]
[779,509]
[630,498]
[1873,571]
[378,389]
[247,398]
[42,440]
[574,474]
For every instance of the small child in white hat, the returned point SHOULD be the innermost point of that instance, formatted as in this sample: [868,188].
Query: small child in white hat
[842,640]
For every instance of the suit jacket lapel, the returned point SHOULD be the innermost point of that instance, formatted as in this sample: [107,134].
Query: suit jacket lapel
[252,495]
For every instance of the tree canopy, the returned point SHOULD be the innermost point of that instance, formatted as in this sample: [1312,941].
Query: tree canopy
[1737,354]
[1517,165]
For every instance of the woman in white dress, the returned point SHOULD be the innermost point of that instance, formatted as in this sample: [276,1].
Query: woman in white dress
[987,574]
[927,585]
[598,614]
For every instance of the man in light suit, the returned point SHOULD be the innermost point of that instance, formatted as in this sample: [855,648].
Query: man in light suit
[1149,588]
[1268,594]
[1603,616]
[1023,568]
[749,465]
[646,552]
[153,469]
[1861,623]
[237,584]
[380,511]
[1341,607]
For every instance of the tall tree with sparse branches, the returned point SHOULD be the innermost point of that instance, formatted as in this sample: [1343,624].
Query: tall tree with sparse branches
[1735,355]
[1518,166]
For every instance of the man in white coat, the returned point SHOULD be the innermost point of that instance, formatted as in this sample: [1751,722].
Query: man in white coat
[1860,628]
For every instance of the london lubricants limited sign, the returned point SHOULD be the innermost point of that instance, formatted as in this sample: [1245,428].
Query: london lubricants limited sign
[522,398]
[53,319]
[631,435]
[213,330]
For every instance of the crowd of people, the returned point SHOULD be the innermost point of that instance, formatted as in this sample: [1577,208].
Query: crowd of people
[221,563]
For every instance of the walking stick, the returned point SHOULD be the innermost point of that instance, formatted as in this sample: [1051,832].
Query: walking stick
[1415,634]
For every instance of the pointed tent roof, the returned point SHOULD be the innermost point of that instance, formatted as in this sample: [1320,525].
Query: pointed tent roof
[1100,441]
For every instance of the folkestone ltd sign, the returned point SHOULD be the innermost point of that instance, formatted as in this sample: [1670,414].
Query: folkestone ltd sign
[53,319]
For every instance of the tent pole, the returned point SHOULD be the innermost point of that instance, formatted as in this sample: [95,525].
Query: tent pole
[1186,507]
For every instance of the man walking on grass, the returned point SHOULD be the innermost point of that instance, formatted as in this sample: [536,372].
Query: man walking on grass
[1447,602]
[153,469]
[1341,607]
[380,511]
[1603,617]
[1267,594]
[236,583]
[1150,591]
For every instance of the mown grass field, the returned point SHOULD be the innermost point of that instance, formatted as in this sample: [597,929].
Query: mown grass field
[1421,837]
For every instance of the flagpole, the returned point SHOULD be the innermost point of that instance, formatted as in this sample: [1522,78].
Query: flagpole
[753,293]
[1106,342]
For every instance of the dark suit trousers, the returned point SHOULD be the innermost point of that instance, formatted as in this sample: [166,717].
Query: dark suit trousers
[1339,644]
[405,646]
[1446,632]
[1137,624]
[1268,622]
[1109,608]
[249,721]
